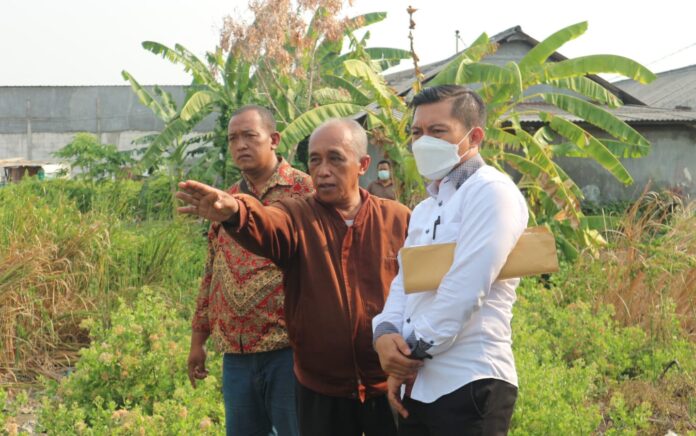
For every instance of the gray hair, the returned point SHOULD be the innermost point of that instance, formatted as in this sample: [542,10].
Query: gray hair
[357,134]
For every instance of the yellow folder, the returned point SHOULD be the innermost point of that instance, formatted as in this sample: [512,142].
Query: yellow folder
[425,265]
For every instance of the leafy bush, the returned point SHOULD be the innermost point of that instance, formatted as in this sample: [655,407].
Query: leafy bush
[624,421]
[96,161]
[577,363]
[133,379]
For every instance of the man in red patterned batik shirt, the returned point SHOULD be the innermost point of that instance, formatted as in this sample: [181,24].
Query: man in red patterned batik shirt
[240,305]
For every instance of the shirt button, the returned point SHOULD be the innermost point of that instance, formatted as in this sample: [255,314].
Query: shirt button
[427,231]
[432,342]
[440,203]
[408,320]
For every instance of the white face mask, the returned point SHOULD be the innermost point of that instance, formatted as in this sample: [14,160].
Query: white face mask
[436,157]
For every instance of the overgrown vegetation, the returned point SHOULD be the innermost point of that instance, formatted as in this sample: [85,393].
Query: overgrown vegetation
[99,305]
[98,276]
[131,379]
[68,249]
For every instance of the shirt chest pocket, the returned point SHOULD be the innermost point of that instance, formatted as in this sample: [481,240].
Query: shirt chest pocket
[448,232]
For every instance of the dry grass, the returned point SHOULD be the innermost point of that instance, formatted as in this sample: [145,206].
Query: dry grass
[672,400]
[648,272]
[59,266]
[48,262]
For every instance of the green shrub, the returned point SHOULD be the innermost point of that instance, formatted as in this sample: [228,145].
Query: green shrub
[133,376]
[575,362]
[554,398]
[3,406]
[623,421]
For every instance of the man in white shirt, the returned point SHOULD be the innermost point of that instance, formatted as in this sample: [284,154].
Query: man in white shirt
[452,347]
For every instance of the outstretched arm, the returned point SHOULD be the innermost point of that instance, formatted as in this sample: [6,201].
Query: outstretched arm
[206,202]
[266,231]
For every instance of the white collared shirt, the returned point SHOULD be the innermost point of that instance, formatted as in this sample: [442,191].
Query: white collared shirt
[467,320]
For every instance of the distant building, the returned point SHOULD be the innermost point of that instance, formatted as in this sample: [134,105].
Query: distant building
[674,89]
[36,121]
[664,112]
[13,170]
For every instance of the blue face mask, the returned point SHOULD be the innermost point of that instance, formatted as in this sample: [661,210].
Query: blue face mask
[383,174]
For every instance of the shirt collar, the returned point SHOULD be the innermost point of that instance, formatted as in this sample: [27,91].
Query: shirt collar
[282,176]
[459,174]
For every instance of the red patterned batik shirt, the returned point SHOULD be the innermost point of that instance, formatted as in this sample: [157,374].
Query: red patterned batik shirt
[240,302]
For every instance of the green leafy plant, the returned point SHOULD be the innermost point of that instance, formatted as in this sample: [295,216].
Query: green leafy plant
[95,160]
[623,421]
[541,90]
[133,376]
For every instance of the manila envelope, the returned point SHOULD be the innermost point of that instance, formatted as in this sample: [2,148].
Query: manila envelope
[425,265]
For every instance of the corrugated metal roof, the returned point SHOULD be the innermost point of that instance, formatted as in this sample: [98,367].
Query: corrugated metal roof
[21,162]
[403,80]
[631,114]
[671,89]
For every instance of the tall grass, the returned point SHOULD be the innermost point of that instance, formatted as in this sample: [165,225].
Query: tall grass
[68,250]
[648,271]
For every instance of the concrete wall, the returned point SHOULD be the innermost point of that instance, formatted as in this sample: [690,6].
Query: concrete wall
[671,164]
[37,121]
[44,144]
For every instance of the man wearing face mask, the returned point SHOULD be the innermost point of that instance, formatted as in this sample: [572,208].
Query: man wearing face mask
[383,186]
[460,331]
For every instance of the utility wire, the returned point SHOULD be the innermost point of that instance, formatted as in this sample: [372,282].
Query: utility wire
[672,54]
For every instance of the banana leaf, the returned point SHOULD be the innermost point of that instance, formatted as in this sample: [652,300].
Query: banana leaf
[541,52]
[590,144]
[303,126]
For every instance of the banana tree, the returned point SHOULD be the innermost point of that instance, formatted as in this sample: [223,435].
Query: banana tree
[219,87]
[325,90]
[165,109]
[301,104]
[536,89]
[388,119]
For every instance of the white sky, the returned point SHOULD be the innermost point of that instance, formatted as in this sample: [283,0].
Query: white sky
[89,42]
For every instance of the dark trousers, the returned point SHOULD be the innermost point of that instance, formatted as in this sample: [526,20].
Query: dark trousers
[483,407]
[322,415]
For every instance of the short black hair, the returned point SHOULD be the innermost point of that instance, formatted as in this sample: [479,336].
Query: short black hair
[467,106]
[384,161]
[266,115]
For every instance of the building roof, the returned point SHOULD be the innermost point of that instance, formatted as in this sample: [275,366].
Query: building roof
[672,89]
[630,114]
[17,162]
[402,81]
